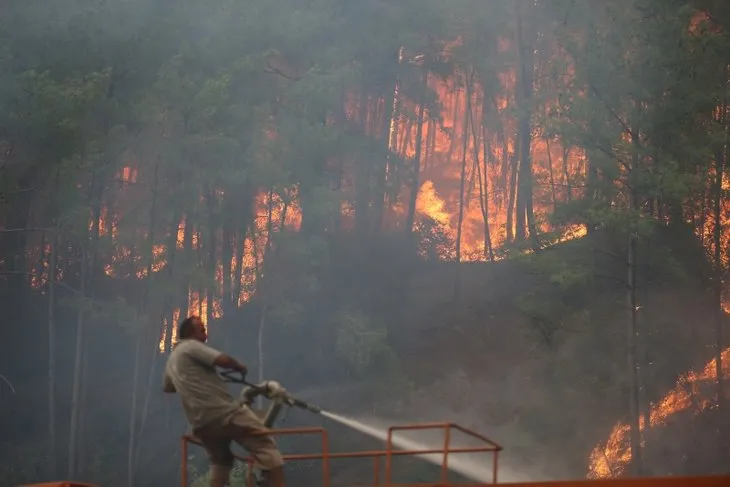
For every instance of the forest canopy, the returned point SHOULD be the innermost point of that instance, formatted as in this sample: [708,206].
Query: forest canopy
[236,159]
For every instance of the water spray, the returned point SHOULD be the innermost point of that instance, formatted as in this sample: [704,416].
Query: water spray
[279,397]
[468,468]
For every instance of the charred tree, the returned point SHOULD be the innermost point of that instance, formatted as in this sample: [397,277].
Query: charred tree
[52,457]
[416,174]
[462,180]
[719,266]
[513,168]
[84,275]
[566,174]
[525,223]
[483,175]
[551,174]
[633,326]
[143,338]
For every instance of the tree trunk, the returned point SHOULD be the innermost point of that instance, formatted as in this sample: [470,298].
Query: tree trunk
[362,171]
[151,374]
[462,183]
[186,252]
[634,408]
[133,409]
[512,189]
[78,362]
[52,460]
[430,143]
[54,242]
[633,328]
[552,176]
[391,121]
[483,180]
[566,174]
[718,263]
[260,345]
[416,181]
[455,115]
[525,79]
[83,416]
[172,252]
[211,200]
[87,266]
[142,334]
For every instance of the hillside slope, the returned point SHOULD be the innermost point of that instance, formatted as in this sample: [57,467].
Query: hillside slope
[533,353]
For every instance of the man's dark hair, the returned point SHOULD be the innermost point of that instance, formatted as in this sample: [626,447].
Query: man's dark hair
[187,327]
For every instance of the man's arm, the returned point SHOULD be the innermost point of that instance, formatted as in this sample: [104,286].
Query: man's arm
[210,356]
[227,362]
[167,385]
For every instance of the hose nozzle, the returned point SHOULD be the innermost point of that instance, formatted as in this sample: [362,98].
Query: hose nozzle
[305,405]
[274,391]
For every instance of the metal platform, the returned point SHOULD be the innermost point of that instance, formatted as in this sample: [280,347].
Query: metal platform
[384,458]
[379,458]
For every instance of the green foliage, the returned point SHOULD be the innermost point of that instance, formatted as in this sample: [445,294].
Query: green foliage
[434,240]
[564,280]
[359,343]
[239,474]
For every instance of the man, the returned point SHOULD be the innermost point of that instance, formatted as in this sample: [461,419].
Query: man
[215,417]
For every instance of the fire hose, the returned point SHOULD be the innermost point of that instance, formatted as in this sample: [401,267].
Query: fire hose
[271,390]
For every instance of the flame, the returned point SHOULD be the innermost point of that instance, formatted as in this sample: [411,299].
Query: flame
[171,328]
[163,338]
[430,204]
[611,458]
[553,169]
[270,211]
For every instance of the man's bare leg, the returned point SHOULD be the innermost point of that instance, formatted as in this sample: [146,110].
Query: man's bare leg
[219,476]
[274,477]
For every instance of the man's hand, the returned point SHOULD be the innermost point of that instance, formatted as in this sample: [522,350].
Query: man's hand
[168,386]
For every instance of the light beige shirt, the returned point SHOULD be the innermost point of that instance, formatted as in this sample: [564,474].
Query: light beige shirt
[204,395]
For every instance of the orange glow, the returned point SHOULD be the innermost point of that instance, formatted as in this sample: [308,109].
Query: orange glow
[181,234]
[611,458]
[129,175]
[440,172]
[248,274]
[163,338]
[170,328]
[430,204]
[39,274]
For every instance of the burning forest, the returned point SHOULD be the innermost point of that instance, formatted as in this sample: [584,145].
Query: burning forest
[321,182]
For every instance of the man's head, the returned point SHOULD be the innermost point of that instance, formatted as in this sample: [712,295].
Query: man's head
[192,327]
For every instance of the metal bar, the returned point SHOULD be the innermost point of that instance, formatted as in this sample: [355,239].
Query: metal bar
[376,465]
[477,436]
[445,463]
[379,453]
[420,426]
[184,462]
[273,432]
[325,459]
[495,461]
[388,456]
[249,473]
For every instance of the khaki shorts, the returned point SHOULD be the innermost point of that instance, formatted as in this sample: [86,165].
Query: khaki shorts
[245,429]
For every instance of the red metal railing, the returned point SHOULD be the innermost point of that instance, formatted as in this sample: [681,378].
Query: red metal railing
[326,456]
